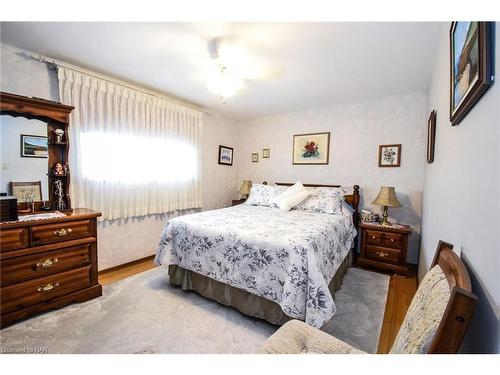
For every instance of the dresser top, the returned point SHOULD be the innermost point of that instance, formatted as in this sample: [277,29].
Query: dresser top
[398,228]
[75,214]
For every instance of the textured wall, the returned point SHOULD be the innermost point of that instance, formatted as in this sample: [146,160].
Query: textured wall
[122,241]
[356,131]
[461,202]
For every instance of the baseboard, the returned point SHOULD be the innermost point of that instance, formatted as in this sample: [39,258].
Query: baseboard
[125,265]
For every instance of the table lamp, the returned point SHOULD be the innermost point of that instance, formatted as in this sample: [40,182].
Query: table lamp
[387,198]
[245,188]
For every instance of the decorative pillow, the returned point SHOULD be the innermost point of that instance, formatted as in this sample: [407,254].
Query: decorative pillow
[324,199]
[263,195]
[289,201]
[297,187]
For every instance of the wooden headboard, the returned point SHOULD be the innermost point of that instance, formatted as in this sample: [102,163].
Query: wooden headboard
[351,199]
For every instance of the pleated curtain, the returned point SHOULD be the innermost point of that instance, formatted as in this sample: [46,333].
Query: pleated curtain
[131,153]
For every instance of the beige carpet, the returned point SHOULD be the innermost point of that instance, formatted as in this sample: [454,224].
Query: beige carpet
[144,314]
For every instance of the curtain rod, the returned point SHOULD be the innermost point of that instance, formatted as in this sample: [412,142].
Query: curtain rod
[53,64]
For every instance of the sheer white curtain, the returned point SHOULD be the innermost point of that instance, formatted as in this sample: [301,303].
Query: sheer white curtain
[131,153]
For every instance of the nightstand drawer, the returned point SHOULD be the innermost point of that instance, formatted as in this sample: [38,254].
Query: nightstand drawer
[373,237]
[394,240]
[383,254]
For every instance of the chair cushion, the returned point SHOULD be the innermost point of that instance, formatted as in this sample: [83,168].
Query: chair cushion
[296,337]
[424,314]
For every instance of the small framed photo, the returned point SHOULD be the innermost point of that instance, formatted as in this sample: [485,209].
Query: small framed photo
[21,190]
[34,146]
[311,149]
[226,155]
[431,136]
[266,153]
[389,155]
[255,157]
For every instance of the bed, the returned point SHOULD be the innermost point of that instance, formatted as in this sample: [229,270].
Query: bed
[266,263]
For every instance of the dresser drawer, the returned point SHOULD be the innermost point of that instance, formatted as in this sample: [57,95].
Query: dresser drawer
[394,240]
[374,237]
[50,233]
[29,293]
[13,239]
[18,269]
[383,254]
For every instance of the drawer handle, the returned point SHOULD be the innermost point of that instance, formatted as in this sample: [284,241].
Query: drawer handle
[63,232]
[374,237]
[46,263]
[382,254]
[47,288]
[392,239]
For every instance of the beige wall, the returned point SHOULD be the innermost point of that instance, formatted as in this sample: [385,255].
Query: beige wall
[356,131]
[122,241]
[461,202]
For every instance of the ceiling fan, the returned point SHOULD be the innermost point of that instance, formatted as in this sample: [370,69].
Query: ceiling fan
[225,64]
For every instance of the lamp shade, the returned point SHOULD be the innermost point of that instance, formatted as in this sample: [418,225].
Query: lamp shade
[387,197]
[245,187]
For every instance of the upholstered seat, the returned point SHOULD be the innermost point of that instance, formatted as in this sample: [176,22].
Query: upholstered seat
[426,316]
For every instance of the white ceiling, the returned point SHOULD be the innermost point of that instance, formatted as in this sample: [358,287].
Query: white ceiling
[319,64]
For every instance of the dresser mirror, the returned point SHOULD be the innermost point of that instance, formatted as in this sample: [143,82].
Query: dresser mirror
[34,153]
[24,158]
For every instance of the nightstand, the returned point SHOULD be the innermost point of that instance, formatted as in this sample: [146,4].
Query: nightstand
[237,202]
[384,247]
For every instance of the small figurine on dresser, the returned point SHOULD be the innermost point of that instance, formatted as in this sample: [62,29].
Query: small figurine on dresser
[59,133]
[59,170]
[59,193]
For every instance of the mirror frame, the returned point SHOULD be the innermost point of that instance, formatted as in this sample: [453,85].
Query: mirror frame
[56,115]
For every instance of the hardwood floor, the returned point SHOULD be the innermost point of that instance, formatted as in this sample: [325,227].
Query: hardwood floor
[401,291]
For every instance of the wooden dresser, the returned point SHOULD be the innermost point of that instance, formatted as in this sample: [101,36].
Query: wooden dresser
[47,264]
[384,247]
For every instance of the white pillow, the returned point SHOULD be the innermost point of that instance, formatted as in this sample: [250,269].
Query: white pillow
[295,188]
[324,199]
[289,201]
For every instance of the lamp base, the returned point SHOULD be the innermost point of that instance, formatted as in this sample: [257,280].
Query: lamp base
[384,217]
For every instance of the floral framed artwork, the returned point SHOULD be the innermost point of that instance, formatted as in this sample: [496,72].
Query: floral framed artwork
[255,157]
[266,153]
[389,155]
[226,155]
[34,146]
[470,66]
[311,149]
[431,136]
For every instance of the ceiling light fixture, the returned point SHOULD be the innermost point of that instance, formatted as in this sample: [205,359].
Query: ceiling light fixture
[224,84]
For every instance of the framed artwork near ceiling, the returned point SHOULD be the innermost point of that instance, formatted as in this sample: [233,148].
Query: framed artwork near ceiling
[34,146]
[255,157]
[266,153]
[226,155]
[389,155]
[471,65]
[311,149]
[431,136]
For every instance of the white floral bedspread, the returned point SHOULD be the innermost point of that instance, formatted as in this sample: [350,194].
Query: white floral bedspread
[286,257]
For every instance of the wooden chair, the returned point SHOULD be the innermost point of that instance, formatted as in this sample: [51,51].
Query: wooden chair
[436,321]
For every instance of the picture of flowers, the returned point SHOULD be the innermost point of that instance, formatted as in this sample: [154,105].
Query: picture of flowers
[311,148]
[389,155]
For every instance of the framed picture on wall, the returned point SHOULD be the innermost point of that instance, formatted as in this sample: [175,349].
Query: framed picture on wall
[255,157]
[389,155]
[470,66]
[225,155]
[431,136]
[311,149]
[266,153]
[34,146]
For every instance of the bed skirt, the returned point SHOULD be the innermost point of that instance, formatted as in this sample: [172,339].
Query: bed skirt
[243,301]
